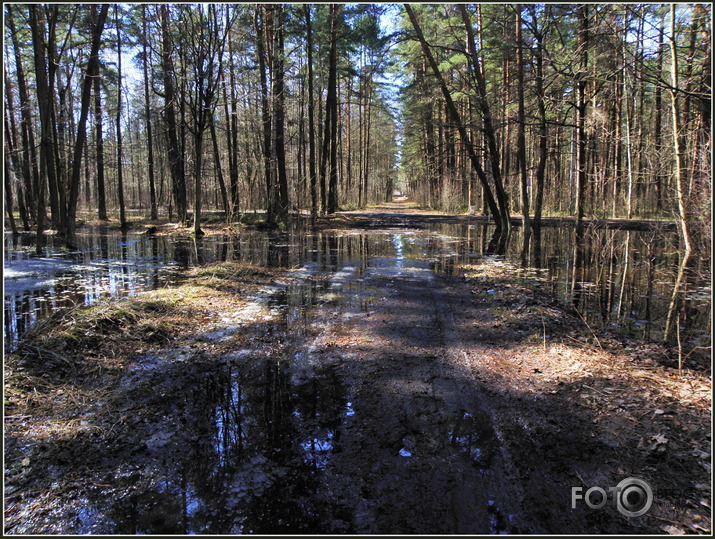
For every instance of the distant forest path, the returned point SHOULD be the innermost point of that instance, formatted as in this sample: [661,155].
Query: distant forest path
[403,210]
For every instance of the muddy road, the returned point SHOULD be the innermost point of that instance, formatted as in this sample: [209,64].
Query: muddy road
[366,393]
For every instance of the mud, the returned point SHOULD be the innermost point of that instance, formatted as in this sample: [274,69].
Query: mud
[394,394]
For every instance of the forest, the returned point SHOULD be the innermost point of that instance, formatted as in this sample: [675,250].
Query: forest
[556,110]
[324,268]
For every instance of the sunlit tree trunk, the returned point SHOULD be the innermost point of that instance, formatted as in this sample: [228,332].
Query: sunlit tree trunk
[329,165]
[678,142]
[12,160]
[120,173]
[366,141]
[91,73]
[278,95]
[540,174]
[489,197]
[678,149]
[217,165]
[581,104]
[232,129]
[9,177]
[580,146]
[521,138]
[147,114]
[52,170]
[267,150]
[204,48]
[489,133]
[176,159]
[311,116]
[47,164]
[31,174]
[629,147]
[658,121]
[99,143]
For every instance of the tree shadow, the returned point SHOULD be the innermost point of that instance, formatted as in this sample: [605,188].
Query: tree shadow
[389,425]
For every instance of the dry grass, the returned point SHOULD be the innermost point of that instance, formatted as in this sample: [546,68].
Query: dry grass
[84,349]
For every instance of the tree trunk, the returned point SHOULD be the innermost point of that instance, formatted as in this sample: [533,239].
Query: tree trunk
[658,127]
[99,139]
[366,141]
[91,73]
[311,116]
[521,138]
[543,141]
[30,172]
[9,177]
[232,128]
[147,113]
[488,195]
[219,171]
[278,91]
[629,146]
[489,132]
[44,101]
[176,159]
[260,21]
[678,143]
[120,177]
[583,40]
[55,171]
[331,105]
[680,180]
[198,163]
[12,152]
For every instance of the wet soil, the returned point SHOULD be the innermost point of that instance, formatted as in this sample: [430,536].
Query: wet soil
[381,395]
[402,212]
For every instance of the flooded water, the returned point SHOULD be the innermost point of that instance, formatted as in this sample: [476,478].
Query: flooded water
[246,443]
[626,280]
[245,460]
[250,441]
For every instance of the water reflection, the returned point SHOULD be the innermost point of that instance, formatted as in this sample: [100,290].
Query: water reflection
[247,460]
[107,264]
[473,434]
[625,278]
[244,446]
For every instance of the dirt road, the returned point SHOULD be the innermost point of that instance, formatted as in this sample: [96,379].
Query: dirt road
[369,395]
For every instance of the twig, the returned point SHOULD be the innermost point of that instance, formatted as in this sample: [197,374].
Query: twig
[680,346]
[697,348]
[582,343]
[578,475]
[39,351]
[589,328]
[596,390]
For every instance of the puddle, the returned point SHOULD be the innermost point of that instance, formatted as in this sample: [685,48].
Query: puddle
[240,452]
[498,523]
[244,442]
[632,294]
[472,434]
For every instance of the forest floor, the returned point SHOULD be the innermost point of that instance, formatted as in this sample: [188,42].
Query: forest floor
[401,212]
[392,400]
